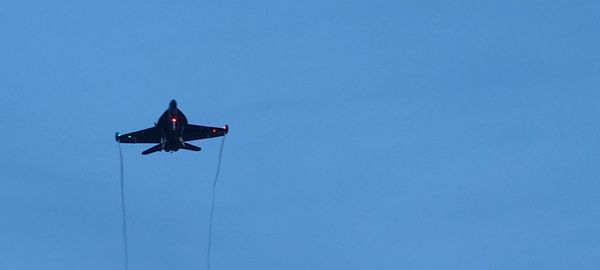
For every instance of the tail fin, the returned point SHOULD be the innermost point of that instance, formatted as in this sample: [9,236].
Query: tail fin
[191,147]
[152,149]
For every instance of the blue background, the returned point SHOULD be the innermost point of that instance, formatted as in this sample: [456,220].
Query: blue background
[364,134]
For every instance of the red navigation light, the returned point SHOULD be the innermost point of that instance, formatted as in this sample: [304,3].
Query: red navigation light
[174,119]
[214,130]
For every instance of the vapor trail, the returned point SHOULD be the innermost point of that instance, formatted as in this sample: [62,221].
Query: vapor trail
[124,214]
[212,206]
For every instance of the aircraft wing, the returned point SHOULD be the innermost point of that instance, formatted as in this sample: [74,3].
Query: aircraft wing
[149,135]
[195,132]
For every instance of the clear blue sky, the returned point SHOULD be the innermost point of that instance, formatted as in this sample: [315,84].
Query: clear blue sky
[364,134]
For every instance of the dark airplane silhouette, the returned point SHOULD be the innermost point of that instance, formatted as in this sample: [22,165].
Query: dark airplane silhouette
[171,133]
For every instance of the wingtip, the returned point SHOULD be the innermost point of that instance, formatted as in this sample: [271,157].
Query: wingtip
[226,129]
[117,137]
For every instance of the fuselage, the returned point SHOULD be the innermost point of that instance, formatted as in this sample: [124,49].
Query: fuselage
[171,125]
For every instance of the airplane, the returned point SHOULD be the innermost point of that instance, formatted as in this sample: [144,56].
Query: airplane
[171,133]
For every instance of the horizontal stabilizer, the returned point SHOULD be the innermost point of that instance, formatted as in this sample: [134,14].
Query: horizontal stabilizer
[152,149]
[191,147]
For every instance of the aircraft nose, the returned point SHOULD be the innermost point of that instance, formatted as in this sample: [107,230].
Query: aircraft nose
[173,106]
